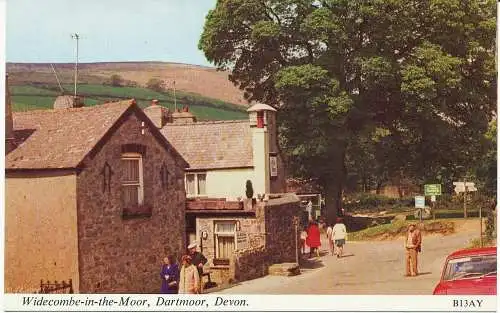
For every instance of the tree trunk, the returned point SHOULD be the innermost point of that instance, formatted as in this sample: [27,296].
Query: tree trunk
[379,187]
[333,201]
[333,187]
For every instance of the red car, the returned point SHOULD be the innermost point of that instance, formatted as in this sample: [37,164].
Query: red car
[469,272]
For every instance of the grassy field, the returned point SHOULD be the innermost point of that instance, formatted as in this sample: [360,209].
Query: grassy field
[29,97]
[199,80]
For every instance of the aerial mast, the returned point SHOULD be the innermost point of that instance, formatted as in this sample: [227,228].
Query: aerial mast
[77,38]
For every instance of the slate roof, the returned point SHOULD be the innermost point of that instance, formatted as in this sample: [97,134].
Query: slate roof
[212,145]
[61,138]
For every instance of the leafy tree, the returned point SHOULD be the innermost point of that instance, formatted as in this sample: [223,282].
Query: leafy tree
[156,84]
[486,171]
[116,80]
[422,70]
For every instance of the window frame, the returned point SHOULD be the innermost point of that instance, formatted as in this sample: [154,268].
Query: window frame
[218,234]
[196,184]
[133,156]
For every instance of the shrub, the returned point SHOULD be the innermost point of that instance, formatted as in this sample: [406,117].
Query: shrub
[116,80]
[491,232]
[156,84]
[249,189]
[374,202]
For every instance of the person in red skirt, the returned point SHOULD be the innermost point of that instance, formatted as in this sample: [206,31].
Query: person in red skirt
[313,238]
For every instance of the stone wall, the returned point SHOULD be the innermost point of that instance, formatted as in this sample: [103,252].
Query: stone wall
[279,238]
[250,263]
[124,255]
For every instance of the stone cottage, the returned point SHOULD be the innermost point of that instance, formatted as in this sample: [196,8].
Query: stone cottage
[241,244]
[93,194]
[223,156]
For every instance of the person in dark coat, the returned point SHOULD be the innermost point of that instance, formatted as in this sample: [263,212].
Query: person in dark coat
[198,260]
[169,275]
[313,238]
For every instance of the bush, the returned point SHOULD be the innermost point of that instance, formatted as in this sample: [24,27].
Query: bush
[491,216]
[156,85]
[116,80]
[249,189]
[373,202]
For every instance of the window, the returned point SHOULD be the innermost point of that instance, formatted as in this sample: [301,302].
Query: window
[132,182]
[225,233]
[260,119]
[196,184]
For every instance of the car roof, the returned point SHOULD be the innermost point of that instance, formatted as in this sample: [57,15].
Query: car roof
[473,251]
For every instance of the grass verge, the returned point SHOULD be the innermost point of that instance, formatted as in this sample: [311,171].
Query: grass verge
[476,243]
[398,228]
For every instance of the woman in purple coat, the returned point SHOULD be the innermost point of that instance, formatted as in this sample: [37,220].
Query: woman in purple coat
[169,275]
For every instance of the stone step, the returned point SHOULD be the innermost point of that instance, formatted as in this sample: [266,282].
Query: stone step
[284,269]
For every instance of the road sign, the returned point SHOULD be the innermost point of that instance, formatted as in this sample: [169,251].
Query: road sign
[419,201]
[461,186]
[459,189]
[432,190]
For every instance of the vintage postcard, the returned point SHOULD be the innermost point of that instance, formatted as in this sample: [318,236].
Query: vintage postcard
[250,155]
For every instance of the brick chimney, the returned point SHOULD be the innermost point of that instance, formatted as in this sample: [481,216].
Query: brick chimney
[9,122]
[157,114]
[184,117]
[264,143]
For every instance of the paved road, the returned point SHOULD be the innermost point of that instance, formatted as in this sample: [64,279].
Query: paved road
[367,268]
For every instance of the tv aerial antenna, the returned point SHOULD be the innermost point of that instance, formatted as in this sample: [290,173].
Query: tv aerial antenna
[76,37]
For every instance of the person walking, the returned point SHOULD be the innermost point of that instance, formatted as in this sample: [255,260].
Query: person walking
[339,235]
[189,281]
[329,237]
[198,260]
[303,238]
[413,245]
[169,276]
[313,238]
[309,209]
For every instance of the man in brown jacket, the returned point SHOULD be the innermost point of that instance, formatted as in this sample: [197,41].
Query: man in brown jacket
[413,245]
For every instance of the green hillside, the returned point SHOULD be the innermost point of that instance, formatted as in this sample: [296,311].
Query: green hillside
[40,96]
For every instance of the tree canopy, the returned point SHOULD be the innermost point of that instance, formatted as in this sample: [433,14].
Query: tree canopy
[416,75]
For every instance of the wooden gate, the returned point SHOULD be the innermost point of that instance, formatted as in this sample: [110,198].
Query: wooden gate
[56,287]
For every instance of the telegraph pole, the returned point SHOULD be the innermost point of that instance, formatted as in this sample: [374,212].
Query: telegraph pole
[76,37]
[465,197]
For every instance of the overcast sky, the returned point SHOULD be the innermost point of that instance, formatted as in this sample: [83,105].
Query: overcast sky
[110,30]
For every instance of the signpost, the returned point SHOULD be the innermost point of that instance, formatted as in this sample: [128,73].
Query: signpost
[432,190]
[420,204]
[463,186]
